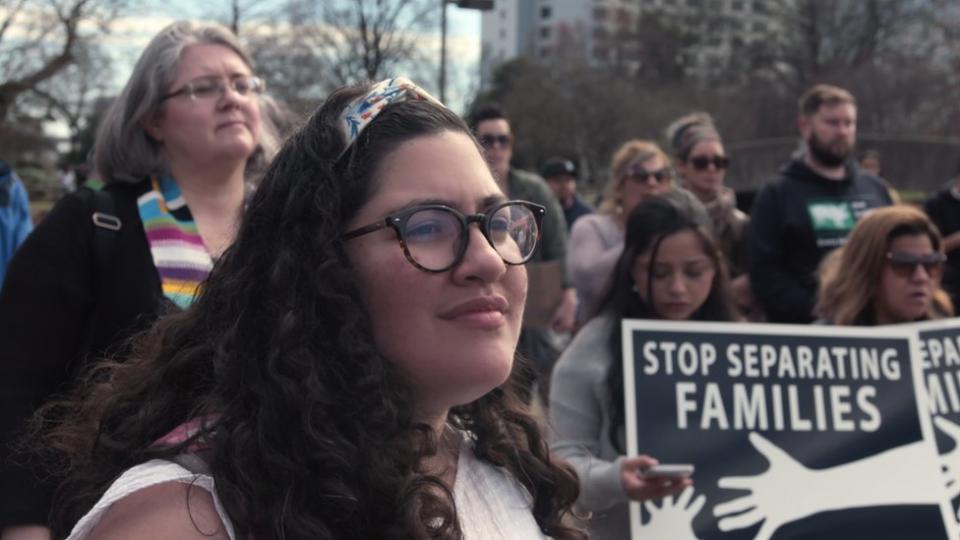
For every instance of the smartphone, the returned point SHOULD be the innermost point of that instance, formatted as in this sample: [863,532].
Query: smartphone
[670,470]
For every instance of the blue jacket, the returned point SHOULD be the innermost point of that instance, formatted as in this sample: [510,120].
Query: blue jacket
[15,222]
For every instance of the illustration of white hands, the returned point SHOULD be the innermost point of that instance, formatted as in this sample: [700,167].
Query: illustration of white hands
[771,498]
[788,490]
[673,518]
[950,462]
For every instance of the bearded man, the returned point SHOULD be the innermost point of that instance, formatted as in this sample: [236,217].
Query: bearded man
[811,207]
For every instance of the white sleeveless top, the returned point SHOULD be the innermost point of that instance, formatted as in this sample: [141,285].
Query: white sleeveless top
[490,503]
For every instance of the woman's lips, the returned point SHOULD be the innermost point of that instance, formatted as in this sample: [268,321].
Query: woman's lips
[482,312]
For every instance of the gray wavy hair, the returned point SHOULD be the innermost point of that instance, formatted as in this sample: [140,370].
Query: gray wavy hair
[124,152]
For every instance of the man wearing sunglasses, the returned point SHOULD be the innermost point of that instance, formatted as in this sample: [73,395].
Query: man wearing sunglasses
[492,129]
[810,209]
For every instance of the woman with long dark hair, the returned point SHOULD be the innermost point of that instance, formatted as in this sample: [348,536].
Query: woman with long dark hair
[347,371]
[670,268]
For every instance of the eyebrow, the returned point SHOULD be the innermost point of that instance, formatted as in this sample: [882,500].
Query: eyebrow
[483,203]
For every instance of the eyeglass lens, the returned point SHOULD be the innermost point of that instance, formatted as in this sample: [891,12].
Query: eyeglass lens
[209,87]
[702,162]
[906,265]
[643,175]
[435,238]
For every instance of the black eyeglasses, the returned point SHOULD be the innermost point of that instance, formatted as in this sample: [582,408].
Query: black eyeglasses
[213,87]
[641,175]
[905,264]
[701,163]
[434,237]
[489,141]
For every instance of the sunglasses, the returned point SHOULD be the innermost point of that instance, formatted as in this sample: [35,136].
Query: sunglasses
[489,141]
[701,163]
[434,237]
[641,175]
[905,264]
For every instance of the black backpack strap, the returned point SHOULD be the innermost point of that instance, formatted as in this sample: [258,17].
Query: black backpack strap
[107,225]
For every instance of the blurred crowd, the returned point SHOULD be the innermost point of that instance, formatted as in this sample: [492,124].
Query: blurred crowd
[322,260]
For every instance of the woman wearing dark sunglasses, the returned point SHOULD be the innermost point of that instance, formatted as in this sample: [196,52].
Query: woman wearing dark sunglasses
[639,171]
[347,371]
[888,272]
[702,163]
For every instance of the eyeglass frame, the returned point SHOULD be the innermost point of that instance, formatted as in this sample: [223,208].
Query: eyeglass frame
[719,163]
[259,87]
[398,220]
[899,260]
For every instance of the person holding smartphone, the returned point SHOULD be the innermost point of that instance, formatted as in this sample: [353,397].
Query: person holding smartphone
[670,268]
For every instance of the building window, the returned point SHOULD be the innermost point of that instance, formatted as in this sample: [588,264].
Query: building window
[503,33]
[544,32]
[599,13]
[544,52]
[545,12]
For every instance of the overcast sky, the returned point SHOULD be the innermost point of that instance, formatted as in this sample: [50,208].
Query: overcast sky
[463,34]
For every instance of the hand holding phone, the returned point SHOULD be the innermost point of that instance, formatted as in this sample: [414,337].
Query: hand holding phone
[669,470]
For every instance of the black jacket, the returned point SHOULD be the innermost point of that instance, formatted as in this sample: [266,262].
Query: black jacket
[796,220]
[56,313]
[944,210]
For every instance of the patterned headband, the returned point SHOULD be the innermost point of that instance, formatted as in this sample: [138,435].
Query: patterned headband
[360,112]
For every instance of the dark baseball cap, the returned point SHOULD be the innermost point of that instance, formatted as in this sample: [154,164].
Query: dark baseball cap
[557,166]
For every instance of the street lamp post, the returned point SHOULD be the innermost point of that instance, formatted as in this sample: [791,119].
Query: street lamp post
[480,5]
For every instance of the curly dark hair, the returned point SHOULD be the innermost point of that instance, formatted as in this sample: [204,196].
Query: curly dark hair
[314,435]
[647,225]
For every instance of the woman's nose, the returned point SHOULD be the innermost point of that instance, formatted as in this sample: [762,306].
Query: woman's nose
[480,260]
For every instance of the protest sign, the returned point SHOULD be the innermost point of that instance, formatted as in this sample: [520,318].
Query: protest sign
[795,431]
[939,358]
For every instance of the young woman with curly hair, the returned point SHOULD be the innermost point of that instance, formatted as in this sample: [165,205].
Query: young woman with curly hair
[346,371]
[670,268]
[888,272]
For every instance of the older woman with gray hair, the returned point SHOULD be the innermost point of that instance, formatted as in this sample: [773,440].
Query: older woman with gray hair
[176,149]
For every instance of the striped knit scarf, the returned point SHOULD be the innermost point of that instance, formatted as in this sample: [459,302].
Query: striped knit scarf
[175,244]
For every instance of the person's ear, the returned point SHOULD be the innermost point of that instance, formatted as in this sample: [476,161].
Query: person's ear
[804,125]
[151,124]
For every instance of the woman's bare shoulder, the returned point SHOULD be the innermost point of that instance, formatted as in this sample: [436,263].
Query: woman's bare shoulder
[163,511]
